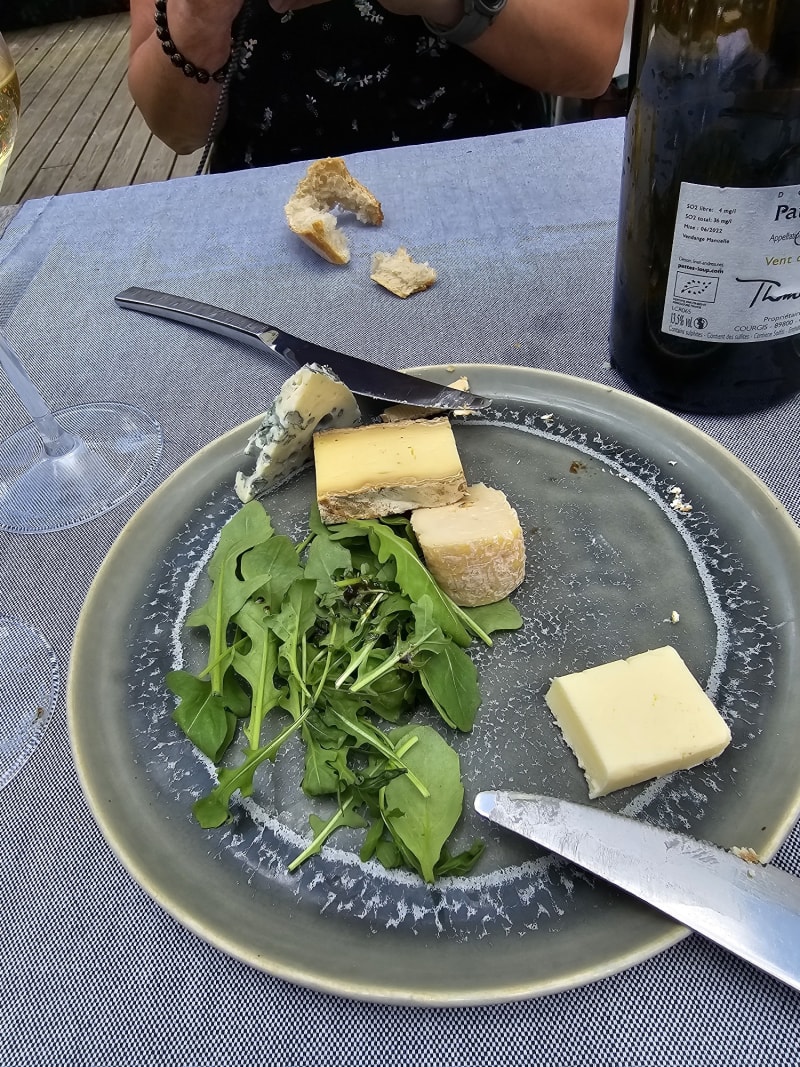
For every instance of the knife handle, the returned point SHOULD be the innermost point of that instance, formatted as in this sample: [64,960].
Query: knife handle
[203,316]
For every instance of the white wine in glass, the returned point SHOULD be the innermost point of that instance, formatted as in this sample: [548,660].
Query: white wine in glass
[9,106]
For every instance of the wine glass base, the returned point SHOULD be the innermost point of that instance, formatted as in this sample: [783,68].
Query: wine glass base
[120,446]
[29,681]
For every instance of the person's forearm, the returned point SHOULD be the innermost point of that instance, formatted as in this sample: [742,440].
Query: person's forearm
[178,109]
[566,49]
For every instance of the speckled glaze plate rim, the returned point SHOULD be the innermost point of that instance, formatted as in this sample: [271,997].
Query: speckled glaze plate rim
[90,719]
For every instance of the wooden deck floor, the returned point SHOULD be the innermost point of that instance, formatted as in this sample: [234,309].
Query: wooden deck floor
[78,128]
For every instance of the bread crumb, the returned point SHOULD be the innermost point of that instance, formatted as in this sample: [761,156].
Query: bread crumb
[749,855]
[397,272]
[328,184]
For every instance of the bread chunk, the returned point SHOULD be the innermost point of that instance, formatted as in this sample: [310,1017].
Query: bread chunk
[634,719]
[386,468]
[398,273]
[474,549]
[328,184]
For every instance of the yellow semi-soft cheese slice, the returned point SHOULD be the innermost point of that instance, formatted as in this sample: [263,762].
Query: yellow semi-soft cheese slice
[386,468]
[631,720]
[474,549]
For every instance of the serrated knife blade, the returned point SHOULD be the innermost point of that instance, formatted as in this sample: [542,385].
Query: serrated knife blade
[750,909]
[359,375]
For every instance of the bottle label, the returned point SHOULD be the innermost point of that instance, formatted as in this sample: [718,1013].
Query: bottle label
[734,274]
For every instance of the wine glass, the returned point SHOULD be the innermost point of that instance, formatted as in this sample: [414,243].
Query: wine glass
[29,673]
[29,682]
[60,473]
[54,474]
[9,106]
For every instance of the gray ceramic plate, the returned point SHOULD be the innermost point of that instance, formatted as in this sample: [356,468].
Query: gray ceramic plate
[630,516]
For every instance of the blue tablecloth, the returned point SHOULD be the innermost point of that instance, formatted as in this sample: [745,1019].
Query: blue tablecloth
[521,228]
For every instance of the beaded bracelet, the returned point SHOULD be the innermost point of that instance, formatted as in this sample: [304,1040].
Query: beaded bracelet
[171,49]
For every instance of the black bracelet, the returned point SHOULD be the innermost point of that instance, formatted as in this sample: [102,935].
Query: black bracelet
[171,49]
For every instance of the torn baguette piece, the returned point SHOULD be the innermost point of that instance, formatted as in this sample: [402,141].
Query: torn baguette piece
[386,468]
[309,212]
[474,549]
[400,274]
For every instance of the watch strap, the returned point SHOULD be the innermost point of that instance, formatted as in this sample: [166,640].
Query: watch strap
[477,18]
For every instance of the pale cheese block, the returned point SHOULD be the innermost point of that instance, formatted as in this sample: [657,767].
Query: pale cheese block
[386,468]
[312,398]
[474,549]
[635,719]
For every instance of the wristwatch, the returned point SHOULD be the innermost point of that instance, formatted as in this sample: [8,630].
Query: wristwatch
[478,16]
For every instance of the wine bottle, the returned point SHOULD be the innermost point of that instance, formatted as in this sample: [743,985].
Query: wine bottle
[706,304]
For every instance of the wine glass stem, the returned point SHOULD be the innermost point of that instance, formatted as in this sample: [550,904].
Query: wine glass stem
[56,441]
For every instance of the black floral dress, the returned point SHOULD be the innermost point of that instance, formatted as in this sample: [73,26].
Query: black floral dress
[346,76]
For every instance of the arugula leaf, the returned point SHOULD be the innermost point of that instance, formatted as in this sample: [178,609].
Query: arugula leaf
[371,841]
[214,809]
[326,558]
[258,666]
[450,866]
[292,623]
[425,823]
[424,637]
[346,815]
[248,527]
[275,563]
[416,581]
[502,615]
[201,713]
[450,679]
[369,735]
[326,768]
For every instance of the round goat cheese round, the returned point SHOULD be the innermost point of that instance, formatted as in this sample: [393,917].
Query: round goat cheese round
[474,548]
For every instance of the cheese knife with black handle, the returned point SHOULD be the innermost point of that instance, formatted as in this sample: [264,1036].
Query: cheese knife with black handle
[360,375]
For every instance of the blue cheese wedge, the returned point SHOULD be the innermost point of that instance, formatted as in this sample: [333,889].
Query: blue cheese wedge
[386,468]
[631,720]
[474,549]
[311,399]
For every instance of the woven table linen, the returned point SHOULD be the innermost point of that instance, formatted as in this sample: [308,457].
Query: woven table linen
[521,229]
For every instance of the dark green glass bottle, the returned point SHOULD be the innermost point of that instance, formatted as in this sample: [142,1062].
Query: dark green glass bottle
[706,306]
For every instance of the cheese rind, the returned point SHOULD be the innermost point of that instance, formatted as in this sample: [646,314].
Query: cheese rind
[474,549]
[386,468]
[311,398]
[632,720]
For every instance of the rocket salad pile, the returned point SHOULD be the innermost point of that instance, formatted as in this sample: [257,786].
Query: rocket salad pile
[343,634]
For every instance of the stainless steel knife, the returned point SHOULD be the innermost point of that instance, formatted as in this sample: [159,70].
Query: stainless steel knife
[750,909]
[359,375]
